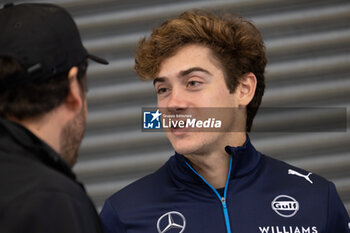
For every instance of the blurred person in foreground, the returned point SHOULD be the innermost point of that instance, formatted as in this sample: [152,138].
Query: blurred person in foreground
[217,182]
[43,114]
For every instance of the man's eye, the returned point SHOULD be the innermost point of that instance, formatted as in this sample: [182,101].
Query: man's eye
[193,83]
[162,90]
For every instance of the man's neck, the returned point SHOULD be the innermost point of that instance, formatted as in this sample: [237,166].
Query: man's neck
[214,165]
[213,168]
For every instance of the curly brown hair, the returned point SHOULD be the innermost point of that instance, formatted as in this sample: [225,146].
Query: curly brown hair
[234,41]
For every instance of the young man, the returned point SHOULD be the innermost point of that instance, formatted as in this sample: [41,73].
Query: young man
[217,182]
[43,115]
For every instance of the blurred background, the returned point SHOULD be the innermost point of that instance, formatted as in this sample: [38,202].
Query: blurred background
[308,48]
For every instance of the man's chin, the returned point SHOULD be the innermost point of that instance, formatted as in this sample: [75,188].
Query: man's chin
[184,148]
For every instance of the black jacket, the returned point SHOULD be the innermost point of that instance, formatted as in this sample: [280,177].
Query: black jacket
[38,190]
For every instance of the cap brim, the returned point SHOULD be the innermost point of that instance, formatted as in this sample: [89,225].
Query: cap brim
[98,59]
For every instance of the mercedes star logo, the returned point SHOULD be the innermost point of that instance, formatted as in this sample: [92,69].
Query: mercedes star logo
[171,220]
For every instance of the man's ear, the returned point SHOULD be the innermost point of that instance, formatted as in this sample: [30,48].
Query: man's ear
[74,98]
[246,88]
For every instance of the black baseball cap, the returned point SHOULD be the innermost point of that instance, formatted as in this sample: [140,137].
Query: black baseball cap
[43,38]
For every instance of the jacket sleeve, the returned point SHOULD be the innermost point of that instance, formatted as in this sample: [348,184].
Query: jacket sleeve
[110,220]
[52,212]
[338,218]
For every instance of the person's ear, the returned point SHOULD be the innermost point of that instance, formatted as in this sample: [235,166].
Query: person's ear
[74,97]
[246,88]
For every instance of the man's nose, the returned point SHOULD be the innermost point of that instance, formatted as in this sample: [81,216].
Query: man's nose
[178,101]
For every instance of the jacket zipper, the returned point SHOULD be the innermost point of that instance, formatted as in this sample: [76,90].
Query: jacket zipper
[222,199]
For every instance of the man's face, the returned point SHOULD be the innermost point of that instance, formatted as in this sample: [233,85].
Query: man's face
[72,135]
[188,81]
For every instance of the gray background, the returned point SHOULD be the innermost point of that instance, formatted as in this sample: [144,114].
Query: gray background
[308,45]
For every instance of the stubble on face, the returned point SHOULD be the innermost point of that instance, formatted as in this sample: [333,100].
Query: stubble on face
[71,137]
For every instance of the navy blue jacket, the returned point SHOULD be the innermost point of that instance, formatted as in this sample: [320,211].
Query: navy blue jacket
[262,195]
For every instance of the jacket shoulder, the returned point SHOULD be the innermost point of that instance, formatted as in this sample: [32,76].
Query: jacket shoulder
[145,189]
[35,193]
[285,173]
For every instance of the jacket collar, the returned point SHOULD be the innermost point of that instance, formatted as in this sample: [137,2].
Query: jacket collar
[245,159]
[24,140]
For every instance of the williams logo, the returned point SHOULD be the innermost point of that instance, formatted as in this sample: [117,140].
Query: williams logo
[285,206]
[151,120]
[172,221]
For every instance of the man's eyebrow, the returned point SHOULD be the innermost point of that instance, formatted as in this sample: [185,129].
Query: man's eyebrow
[182,74]
[158,79]
[193,69]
